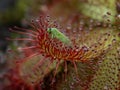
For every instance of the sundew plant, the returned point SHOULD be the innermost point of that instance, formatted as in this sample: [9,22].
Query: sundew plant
[81,56]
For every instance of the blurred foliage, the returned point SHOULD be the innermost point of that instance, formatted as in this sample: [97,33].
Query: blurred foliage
[97,9]
[14,13]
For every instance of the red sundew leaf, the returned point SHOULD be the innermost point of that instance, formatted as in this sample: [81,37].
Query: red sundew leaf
[50,50]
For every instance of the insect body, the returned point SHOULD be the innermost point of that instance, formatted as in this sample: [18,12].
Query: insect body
[55,33]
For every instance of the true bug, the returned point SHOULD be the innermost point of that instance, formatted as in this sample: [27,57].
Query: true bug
[55,33]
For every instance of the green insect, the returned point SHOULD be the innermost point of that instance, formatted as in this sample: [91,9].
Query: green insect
[55,33]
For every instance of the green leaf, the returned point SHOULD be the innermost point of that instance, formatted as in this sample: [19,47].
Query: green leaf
[98,9]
